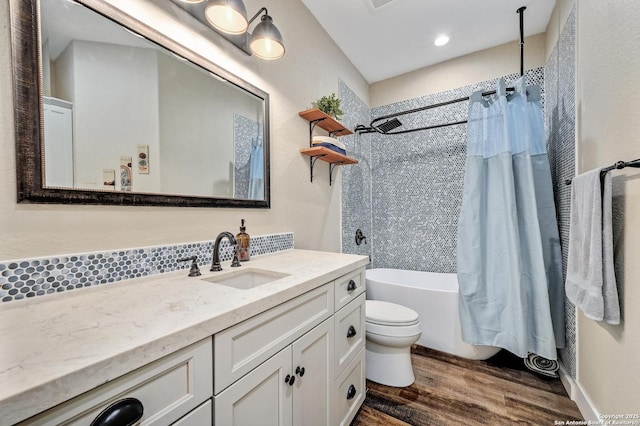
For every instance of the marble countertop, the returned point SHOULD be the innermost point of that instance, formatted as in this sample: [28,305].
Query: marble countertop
[56,347]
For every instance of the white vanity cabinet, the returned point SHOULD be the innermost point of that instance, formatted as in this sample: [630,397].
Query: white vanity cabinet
[287,352]
[300,363]
[293,387]
[168,390]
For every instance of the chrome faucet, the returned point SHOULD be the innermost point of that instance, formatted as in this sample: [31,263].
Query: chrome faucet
[215,265]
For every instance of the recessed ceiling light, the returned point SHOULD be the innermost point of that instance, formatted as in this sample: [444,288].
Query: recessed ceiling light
[441,40]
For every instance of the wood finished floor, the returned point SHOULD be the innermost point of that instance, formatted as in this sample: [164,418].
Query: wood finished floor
[455,391]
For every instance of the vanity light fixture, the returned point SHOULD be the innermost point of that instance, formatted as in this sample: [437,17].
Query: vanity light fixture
[266,41]
[441,40]
[229,19]
[228,16]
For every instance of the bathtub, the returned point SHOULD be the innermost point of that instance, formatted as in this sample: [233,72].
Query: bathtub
[434,296]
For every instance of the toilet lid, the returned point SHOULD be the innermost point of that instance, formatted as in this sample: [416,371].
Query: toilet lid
[387,313]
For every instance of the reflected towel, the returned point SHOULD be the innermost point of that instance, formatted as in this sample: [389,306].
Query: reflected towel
[591,281]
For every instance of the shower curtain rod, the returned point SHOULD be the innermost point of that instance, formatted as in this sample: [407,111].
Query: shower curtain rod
[617,165]
[389,125]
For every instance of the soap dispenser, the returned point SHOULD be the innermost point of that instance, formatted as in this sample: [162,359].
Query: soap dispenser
[243,241]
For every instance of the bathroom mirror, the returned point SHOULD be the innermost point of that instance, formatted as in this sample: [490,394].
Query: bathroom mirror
[111,111]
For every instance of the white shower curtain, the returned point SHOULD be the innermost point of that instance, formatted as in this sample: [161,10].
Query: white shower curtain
[509,259]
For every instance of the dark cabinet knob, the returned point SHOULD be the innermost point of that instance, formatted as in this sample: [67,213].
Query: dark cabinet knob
[351,286]
[351,392]
[125,412]
[290,380]
[351,332]
[300,371]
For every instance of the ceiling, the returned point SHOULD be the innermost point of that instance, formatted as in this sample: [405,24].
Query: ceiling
[386,38]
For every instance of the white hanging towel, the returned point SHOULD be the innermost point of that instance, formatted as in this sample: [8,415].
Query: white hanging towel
[591,280]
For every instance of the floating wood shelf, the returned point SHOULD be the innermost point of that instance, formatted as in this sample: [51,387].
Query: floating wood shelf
[315,117]
[324,121]
[325,154]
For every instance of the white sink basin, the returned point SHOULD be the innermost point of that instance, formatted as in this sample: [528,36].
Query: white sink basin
[245,279]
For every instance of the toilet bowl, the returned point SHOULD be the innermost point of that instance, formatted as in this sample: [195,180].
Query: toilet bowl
[391,329]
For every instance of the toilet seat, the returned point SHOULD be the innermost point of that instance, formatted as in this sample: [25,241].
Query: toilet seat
[393,331]
[389,314]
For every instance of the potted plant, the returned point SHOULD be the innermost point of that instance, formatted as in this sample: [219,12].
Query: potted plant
[330,105]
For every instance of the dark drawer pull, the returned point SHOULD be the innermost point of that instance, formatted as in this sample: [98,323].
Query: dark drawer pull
[290,380]
[351,332]
[351,392]
[351,286]
[125,412]
[300,371]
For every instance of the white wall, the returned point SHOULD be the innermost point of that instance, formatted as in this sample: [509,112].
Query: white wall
[310,210]
[608,130]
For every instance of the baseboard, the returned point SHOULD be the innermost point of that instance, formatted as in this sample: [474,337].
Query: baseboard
[567,381]
[577,395]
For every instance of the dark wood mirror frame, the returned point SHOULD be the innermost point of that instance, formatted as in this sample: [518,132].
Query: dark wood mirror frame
[29,122]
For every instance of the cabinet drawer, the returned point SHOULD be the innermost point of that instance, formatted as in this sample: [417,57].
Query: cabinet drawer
[350,391]
[201,416]
[350,333]
[168,389]
[348,287]
[241,348]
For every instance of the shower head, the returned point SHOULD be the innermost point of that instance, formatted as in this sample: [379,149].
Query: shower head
[388,125]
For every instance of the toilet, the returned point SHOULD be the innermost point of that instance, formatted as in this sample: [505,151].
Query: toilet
[391,329]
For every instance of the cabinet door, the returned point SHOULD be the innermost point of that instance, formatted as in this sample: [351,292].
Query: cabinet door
[58,142]
[313,368]
[260,398]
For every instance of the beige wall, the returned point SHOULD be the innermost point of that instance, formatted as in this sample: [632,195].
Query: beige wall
[310,210]
[468,69]
[608,130]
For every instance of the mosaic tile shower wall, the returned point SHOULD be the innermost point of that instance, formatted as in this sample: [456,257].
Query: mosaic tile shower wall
[417,182]
[28,278]
[244,137]
[560,118]
[356,179]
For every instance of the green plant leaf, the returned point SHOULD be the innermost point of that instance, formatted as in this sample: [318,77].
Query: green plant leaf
[330,105]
